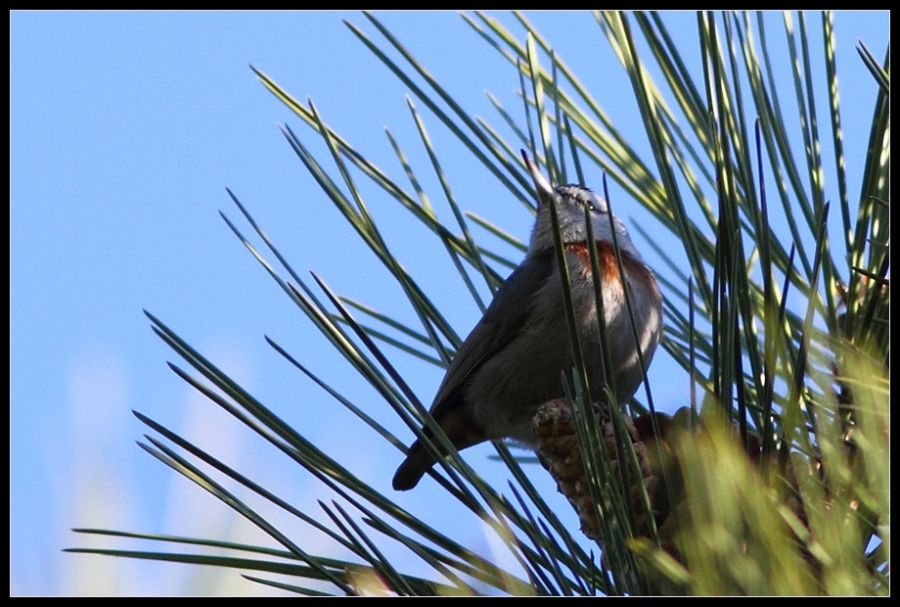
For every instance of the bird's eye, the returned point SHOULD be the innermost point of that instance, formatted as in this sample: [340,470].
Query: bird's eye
[595,208]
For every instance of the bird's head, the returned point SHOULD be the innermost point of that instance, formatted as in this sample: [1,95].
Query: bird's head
[571,202]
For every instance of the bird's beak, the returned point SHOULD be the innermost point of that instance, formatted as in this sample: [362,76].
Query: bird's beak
[541,184]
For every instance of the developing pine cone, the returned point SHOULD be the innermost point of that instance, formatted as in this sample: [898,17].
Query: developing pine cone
[558,448]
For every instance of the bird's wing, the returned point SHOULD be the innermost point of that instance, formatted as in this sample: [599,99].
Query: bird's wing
[502,321]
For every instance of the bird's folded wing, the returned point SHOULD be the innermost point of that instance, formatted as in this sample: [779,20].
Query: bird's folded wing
[502,322]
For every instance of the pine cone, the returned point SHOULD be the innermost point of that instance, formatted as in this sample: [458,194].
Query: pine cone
[558,449]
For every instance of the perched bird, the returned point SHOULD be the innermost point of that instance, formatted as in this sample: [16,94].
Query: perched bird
[512,360]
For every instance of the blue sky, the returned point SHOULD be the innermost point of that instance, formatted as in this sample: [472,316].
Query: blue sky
[125,130]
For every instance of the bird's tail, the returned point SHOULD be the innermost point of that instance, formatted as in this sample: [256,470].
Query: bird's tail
[418,461]
[461,430]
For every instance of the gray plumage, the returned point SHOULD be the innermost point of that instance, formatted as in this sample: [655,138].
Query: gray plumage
[512,361]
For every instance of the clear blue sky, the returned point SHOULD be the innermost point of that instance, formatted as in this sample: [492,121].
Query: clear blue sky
[125,130]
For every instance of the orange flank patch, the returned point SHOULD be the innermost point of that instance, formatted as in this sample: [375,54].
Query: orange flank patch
[606,258]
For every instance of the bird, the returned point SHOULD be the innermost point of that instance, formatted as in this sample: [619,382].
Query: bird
[513,359]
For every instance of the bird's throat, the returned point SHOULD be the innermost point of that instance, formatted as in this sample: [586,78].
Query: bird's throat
[606,259]
[609,268]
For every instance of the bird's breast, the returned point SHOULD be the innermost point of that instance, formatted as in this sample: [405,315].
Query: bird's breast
[645,311]
[606,261]
[608,266]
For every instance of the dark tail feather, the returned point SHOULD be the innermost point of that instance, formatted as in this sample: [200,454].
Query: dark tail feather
[413,468]
[459,427]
